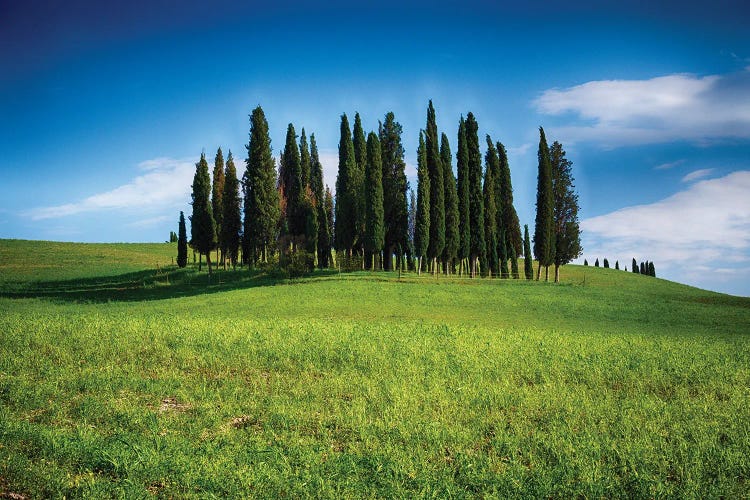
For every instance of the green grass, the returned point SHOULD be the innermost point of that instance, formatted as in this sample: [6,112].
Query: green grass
[118,378]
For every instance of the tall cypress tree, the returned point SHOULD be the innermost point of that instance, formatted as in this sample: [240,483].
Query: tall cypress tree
[437,190]
[316,184]
[410,252]
[477,247]
[544,235]
[505,202]
[452,236]
[395,186]
[329,222]
[182,251]
[305,161]
[651,269]
[346,196]
[528,266]
[634,266]
[422,223]
[232,225]
[292,187]
[490,216]
[567,231]
[360,157]
[492,164]
[374,230]
[217,192]
[261,208]
[202,224]
[513,261]
[462,171]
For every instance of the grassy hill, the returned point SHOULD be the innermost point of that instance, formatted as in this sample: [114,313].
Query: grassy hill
[121,375]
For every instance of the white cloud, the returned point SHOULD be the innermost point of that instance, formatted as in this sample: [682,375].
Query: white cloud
[662,109]
[708,225]
[166,182]
[671,164]
[151,221]
[697,174]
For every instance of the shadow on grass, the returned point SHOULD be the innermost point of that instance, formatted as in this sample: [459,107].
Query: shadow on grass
[151,285]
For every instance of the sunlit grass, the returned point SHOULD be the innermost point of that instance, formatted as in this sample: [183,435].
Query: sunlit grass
[128,379]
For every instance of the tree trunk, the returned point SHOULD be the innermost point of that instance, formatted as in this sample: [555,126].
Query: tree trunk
[557,273]
[546,273]
[419,265]
[200,262]
[538,270]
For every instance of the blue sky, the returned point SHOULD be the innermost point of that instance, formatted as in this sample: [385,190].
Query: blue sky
[106,109]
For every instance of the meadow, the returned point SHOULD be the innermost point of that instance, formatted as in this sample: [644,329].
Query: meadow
[123,376]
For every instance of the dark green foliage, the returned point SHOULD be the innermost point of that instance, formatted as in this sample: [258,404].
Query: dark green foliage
[585,262]
[304,160]
[504,185]
[634,266]
[504,251]
[316,184]
[374,230]
[606,263]
[462,172]
[395,185]
[346,195]
[202,224]
[422,222]
[452,236]
[437,188]
[491,235]
[412,222]
[513,262]
[309,213]
[567,231]
[291,185]
[172,237]
[360,157]
[617,265]
[182,249]
[229,238]
[642,268]
[217,194]
[528,268]
[329,215]
[651,269]
[544,234]
[261,198]
[596,264]
[477,247]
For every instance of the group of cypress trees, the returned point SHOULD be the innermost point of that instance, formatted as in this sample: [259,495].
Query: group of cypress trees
[646,268]
[465,223]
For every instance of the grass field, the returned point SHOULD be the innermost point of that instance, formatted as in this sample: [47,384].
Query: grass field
[121,376]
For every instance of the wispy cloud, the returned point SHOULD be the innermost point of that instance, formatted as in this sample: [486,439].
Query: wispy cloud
[671,164]
[166,182]
[151,221]
[697,174]
[668,108]
[708,225]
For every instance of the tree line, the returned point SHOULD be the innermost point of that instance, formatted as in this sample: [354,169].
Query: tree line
[462,224]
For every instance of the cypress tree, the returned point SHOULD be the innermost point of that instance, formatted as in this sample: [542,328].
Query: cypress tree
[316,184]
[217,193]
[232,225]
[642,268]
[502,249]
[477,247]
[567,232]
[505,203]
[544,235]
[395,186]
[346,196]
[596,264]
[437,190]
[499,250]
[617,265]
[528,268]
[412,224]
[634,266]
[261,207]
[651,269]
[462,172]
[422,222]
[292,187]
[305,161]
[360,157]
[182,251]
[585,262]
[202,224]
[490,217]
[452,236]
[329,214]
[513,262]
[374,227]
[606,263]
